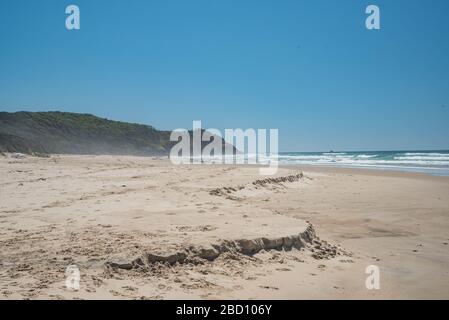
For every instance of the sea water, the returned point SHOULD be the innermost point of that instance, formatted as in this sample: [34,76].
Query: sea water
[432,162]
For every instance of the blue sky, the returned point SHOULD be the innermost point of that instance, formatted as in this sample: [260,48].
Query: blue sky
[309,68]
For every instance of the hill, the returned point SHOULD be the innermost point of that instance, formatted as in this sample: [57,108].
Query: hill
[73,133]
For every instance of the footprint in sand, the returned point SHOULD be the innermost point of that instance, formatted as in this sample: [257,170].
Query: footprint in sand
[283,269]
[269,288]
[347,261]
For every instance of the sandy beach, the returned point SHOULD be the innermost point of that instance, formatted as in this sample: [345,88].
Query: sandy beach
[142,228]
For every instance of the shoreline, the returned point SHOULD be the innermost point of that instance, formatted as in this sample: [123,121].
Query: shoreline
[425,171]
[325,167]
[365,170]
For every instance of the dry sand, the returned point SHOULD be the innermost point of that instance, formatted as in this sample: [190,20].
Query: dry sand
[141,228]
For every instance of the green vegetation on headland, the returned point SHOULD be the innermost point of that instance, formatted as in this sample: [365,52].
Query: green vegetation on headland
[72,133]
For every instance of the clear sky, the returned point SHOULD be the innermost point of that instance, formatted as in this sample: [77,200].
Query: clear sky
[309,68]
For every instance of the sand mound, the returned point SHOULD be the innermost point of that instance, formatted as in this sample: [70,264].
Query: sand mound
[229,191]
[247,247]
[290,178]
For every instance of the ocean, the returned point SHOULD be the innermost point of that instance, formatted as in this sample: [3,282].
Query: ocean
[432,162]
